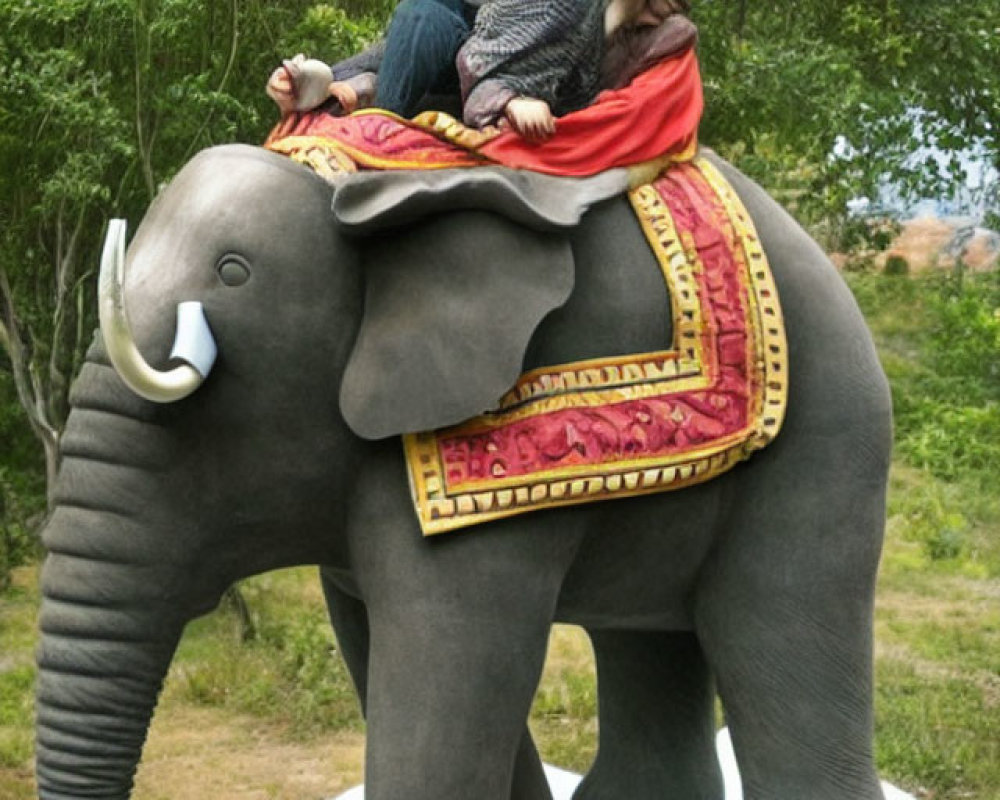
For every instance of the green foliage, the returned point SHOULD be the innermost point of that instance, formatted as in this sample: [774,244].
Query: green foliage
[860,237]
[22,485]
[930,519]
[15,706]
[786,81]
[947,398]
[573,697]
[101,102]
[949,417]
[18,635]
[939,341]
[18,543]
[934,730]
[290,671]
[330,33]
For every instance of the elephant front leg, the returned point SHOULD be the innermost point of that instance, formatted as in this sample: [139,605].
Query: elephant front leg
[350,621]
[449,690]
[458,629]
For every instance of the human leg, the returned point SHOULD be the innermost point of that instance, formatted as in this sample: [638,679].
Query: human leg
[421,44]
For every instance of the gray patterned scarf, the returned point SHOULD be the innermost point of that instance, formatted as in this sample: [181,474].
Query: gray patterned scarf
[547,49]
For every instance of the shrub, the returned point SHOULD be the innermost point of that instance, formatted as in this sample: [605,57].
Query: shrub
[940,346]
[861,262]
[896,264]
[21,507]
[290,670]
[858,233]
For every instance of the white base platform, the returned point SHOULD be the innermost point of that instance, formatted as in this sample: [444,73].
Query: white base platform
[564,783]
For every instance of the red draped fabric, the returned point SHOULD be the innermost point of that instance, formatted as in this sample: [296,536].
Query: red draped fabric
[657,114]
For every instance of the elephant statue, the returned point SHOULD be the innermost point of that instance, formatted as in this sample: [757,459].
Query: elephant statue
[756,586]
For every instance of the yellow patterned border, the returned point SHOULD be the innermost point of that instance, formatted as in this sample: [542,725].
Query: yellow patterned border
[322,155]
[687,365]
[768,323]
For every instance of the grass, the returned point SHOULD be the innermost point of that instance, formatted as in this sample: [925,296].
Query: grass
[288,671]
[17,673]
[280,705]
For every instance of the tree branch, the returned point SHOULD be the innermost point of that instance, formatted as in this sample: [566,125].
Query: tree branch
[10,335]
[145,156]
[79,348]
[233,49]
[58,375]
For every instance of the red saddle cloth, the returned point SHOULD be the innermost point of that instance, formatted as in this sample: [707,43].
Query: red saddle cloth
[630,425]
[656,115]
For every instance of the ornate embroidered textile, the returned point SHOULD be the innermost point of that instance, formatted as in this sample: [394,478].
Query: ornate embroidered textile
[651,422]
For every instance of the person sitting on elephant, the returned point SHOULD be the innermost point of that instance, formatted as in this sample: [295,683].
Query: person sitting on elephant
[527,63]
[415,59]
[505,75]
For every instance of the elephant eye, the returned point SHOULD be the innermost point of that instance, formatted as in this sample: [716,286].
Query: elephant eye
[233,270]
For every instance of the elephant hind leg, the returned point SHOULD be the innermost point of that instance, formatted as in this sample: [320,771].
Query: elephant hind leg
[784,610]
[349,618]
[657,729]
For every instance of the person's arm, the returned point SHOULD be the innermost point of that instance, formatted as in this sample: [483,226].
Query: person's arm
[530,117]
[368,60]
[355,92]
[302,84]
[299,84]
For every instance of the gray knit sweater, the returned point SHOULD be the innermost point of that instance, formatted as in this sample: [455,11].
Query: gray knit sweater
[546,49]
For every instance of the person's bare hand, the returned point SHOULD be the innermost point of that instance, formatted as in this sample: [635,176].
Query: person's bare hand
[531,118]
[345,94]
[300,84]
[281,88]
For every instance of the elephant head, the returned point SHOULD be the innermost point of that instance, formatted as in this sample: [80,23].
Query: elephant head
[134,509]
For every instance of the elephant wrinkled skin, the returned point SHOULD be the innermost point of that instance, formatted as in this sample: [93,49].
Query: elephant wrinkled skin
[757,585]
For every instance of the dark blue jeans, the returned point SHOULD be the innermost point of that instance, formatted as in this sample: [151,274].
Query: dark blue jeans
[420,47]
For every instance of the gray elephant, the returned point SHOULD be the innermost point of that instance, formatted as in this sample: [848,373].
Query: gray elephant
[757,585]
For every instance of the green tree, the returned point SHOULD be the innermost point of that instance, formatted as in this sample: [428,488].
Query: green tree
[787,81]
[101,102]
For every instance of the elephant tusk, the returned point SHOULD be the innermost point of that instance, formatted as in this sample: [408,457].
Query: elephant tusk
[193,343]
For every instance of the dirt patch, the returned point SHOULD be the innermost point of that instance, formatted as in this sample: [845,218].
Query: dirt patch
[199,754]
[928,242]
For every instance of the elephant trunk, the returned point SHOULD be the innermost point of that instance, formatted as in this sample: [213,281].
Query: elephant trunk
[118,586]
[193,344]
[101,666]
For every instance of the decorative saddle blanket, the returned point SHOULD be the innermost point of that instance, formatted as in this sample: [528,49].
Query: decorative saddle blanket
[657,113]
[613,427]
[619,427]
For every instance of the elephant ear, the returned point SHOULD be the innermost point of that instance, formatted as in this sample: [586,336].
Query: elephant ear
[450,305]
[368,202]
